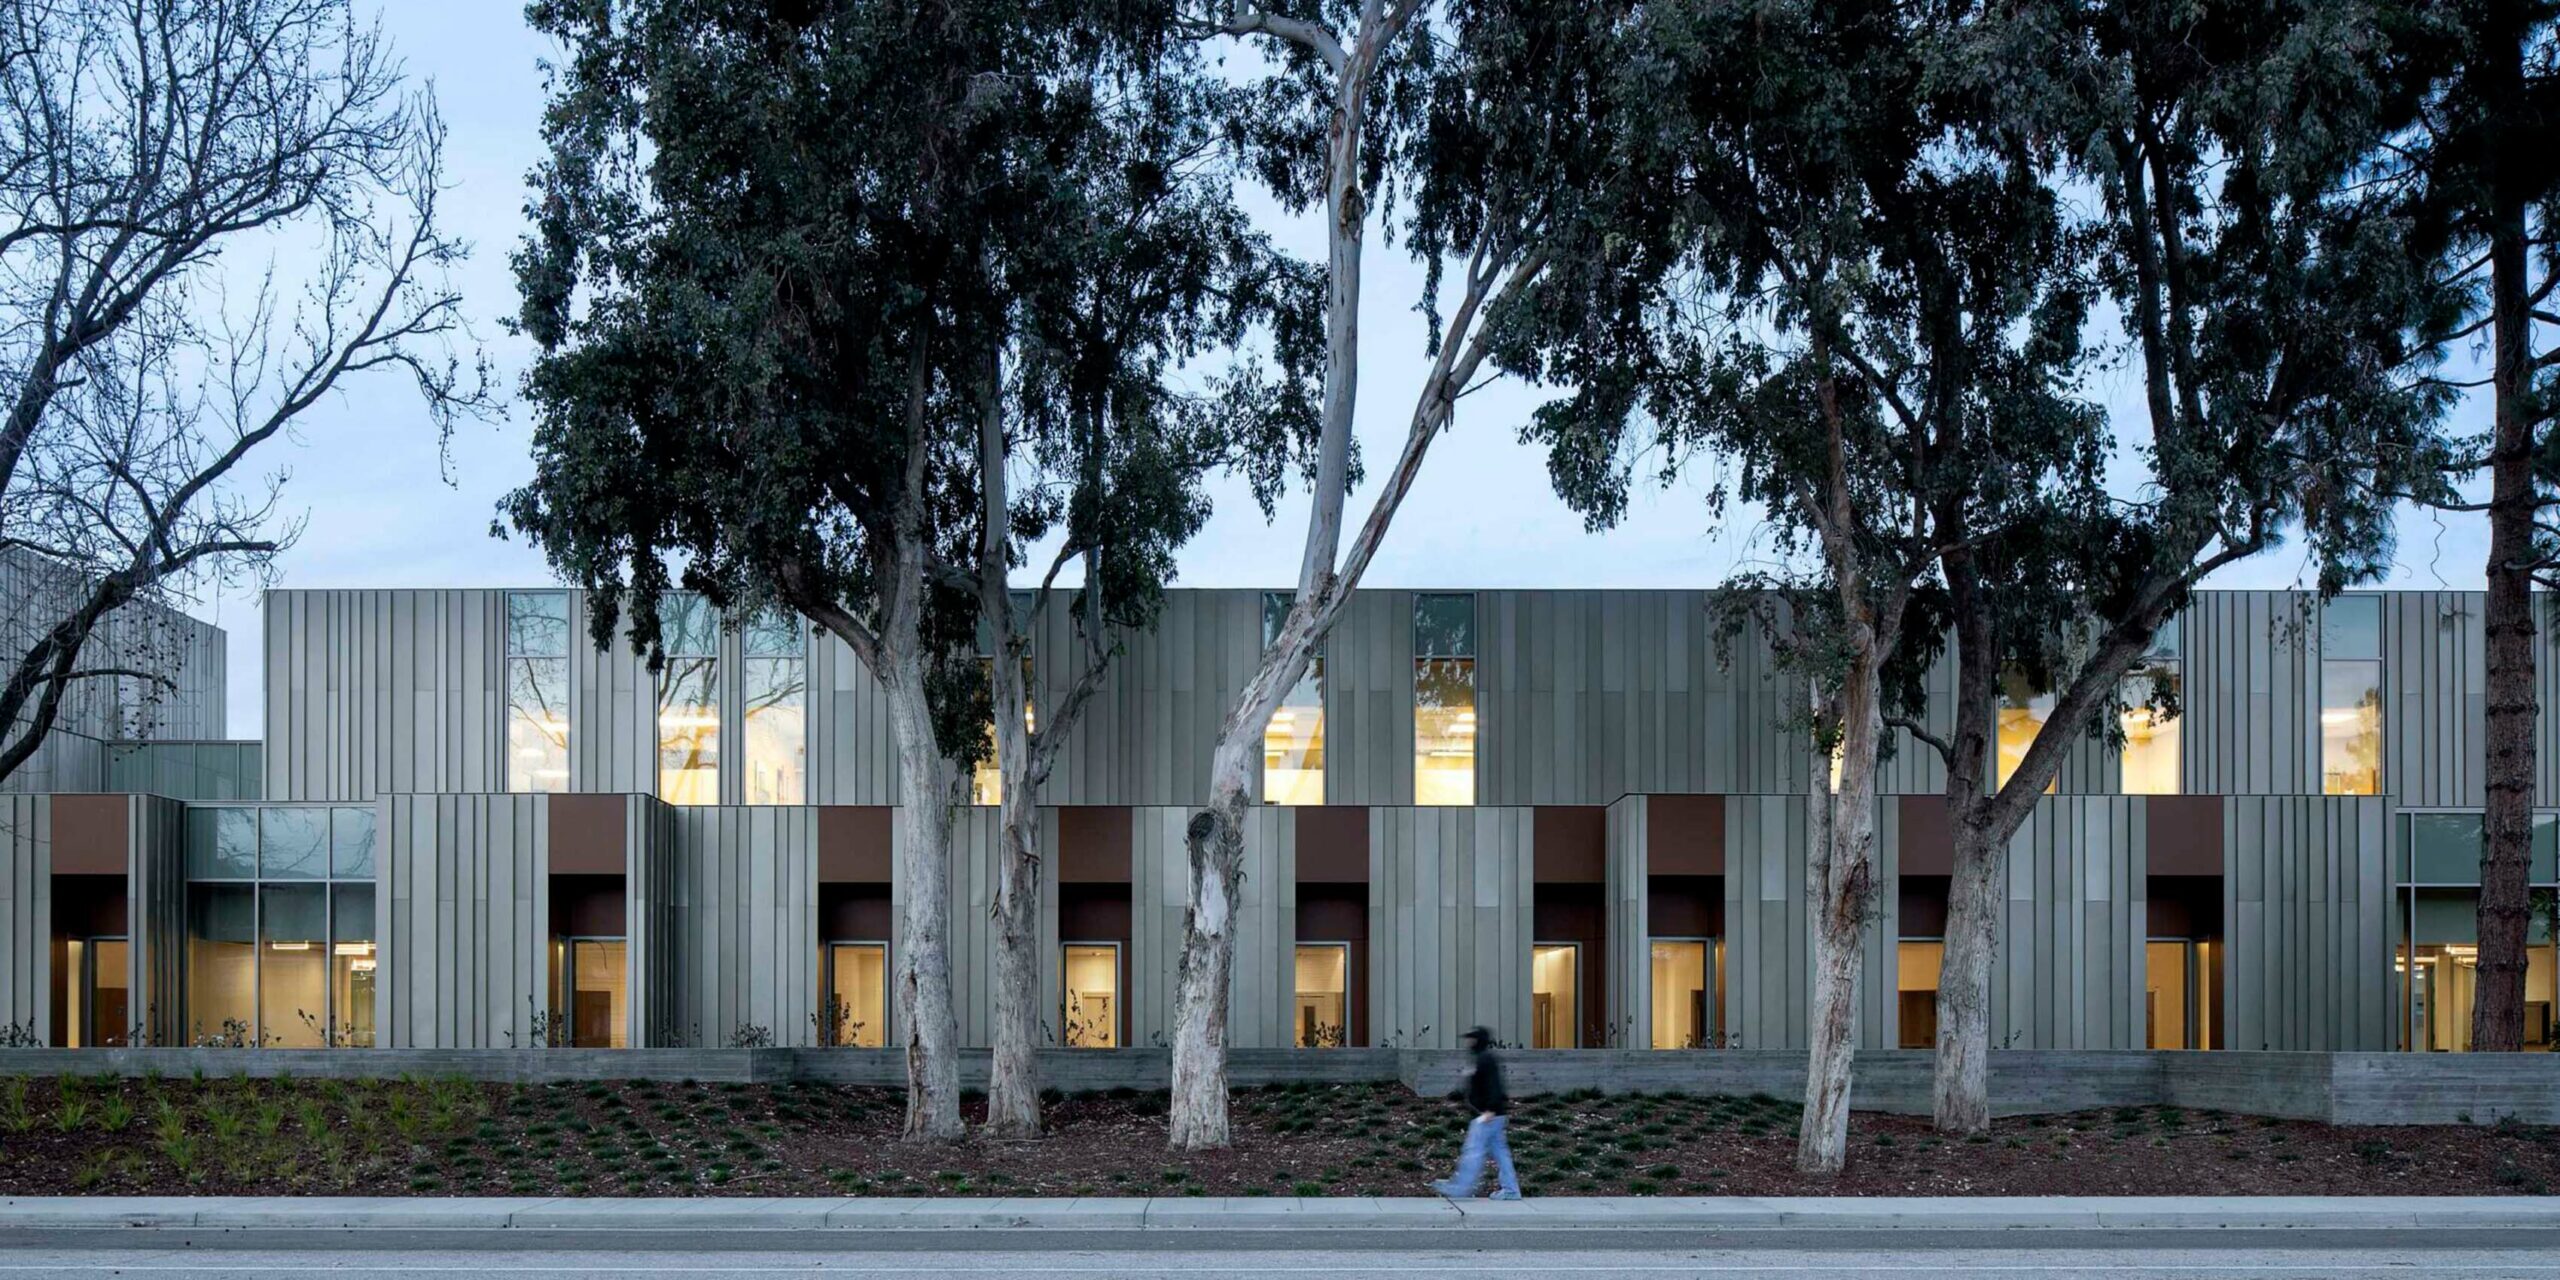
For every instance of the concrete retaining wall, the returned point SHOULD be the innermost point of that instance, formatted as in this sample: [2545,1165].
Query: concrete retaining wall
[2341,1088]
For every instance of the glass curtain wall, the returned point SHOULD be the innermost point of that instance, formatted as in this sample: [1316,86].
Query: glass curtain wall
[1444,700]
[2436,963]
[1293,743]
[2153,763]
[1324,995]
[689,700]
[2351,709]
[537,691]
[280,929]
[776,712]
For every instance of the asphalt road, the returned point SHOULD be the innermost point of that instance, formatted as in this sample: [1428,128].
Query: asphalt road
[2098,1258]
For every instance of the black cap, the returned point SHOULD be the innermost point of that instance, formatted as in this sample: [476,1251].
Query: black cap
[1478,1037]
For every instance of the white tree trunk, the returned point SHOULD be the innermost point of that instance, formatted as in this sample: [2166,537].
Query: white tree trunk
[1961,1089]
[1013,1081]
[926,785]
[1842,889]
[1206,978]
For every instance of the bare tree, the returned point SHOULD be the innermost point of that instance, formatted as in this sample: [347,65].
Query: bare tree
[145,145]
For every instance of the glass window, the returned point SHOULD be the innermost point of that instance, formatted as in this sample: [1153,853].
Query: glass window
[594,993]
[293,937]
[1915,982]
[352,965]
[777,693]
[222,844]
[2168,983]
[1324,995]
[1093,995]
[2153,763]
[1293,743]
[689,701]
[856,1014]
[1554,974]
[1685,1015]
[2022,714]
[1444,699]
[222,965]
[537,691]
[293,844]
[986,778]
[351,843]
[2351,696]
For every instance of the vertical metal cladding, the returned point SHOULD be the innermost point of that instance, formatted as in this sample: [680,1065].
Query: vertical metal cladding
[465,921]
[1450,909]
[2070,973]
[2306,903]
[1263,981]
[26,914]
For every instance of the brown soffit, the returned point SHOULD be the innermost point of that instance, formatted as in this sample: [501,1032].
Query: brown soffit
[91,835]
[1928,844]
[1093,844]
[587,835]
[1333,844]
[1571,844]
[2185,835]
[853,844]
[1684,835]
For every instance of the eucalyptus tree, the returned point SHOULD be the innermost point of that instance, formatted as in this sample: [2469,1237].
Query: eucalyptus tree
[1469,129]
[1826,270]
[2274,325]
[2479,162]
[781,256]
[1090,448]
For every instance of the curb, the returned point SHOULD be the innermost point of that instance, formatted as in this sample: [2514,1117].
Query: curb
[1177,1214]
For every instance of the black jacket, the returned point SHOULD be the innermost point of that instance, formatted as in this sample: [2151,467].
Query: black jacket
[1484,1086]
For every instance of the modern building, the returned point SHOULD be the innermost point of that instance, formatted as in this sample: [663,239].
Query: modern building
[1562,814]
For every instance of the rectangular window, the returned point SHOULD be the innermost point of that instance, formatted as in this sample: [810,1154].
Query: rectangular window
[293,946]
[2153,764]
[1444,700]
[1293,743]
[777,695]
[1324,995]
[2024,708]
[856,1014]
[537,691]
[1915,981]
[594,993]
[222,964]
[2351,696]
[1555,971]
[1093,995]
[352,965]
[2168,990]
[986,778]
[1684,1006]
[102,1014]
[689,701]
[280,927]
[2435,966]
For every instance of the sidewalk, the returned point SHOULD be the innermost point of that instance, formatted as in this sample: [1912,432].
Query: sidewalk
[1475,1217]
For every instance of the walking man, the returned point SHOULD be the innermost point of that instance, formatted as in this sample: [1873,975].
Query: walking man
[1492,1106]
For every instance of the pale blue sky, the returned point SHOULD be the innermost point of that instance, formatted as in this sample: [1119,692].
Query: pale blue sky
[365,468]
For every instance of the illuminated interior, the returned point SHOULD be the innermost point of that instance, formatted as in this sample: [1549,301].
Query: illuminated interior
[293,965]
[1323,1018]
[1684,1008]
[1444,731]
[222,963]
[2351,727]
[1554,972]
[2022,714]
[1093,996]
[986,778]
[594,992]
[689,731]
[2178,993]
[1915,982]
[857,995]
[777,730]
[2152,754]
[1293,743]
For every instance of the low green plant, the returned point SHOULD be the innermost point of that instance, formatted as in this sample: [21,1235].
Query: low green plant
[115,1113]
[15,1116]
[72,1114]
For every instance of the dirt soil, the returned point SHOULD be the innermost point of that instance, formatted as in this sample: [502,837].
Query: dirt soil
[451,1137]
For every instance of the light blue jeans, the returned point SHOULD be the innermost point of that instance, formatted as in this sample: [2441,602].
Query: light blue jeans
[1485,1134]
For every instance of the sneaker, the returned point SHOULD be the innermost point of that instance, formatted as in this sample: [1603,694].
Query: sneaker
[1506,1195]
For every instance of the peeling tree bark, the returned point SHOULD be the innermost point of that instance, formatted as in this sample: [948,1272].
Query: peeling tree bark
[1840,893]
[926,786]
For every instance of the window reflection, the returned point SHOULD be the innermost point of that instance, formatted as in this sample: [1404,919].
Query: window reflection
[2023,710]
[2351,696]
[1293,743]
[776,691]
[537,691]
[1444,700]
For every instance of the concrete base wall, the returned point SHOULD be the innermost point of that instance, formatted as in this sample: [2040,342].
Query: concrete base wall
[2341,1088]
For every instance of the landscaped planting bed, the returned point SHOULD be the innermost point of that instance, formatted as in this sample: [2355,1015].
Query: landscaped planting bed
[451,1137]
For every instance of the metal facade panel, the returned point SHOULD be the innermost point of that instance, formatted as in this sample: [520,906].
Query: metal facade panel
[465,921]
[1450,922]
[26,916]
[2306,965]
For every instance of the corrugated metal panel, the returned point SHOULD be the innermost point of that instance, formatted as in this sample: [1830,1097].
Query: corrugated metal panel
[1767,947]
[2070,967]
[1450,903]
[2434,675]
[2306,902]
[746,924]
[465,921]
[26,915]
[2252,700]
[156,909]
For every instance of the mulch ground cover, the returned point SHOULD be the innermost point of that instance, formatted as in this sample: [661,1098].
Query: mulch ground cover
[451,1137]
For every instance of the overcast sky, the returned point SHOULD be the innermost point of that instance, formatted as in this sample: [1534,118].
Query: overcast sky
[366,472]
